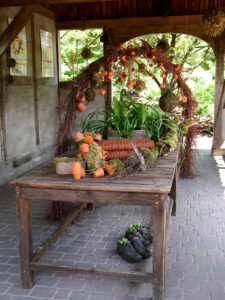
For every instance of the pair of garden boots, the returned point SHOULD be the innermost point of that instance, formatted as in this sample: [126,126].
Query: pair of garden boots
[133,246]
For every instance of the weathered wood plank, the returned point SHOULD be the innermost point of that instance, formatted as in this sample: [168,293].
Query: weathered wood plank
[88,196]
[23,2]
[121,275]
[173,192]
[25,239]
[159,248]
[17,24]
[53,237]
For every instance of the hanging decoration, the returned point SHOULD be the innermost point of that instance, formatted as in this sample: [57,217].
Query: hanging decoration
[213,23]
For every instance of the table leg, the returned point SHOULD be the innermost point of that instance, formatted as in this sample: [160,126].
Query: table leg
[173,192]
[159,249]
[25,239]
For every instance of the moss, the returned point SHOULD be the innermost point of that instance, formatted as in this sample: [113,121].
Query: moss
[150,155]
[94,157]
[89,94]
[168,102]
[66,159]
[170,139]
[117,163]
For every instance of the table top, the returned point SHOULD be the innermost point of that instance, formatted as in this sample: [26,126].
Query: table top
[156,179]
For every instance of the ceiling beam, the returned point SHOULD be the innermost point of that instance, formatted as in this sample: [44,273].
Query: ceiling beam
[17,24]
[132,22]
[44,11]
[23,2]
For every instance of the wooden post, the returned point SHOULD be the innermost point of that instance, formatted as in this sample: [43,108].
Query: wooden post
[2,114]
[219,116]
[34,71]
[17,24]
[173,192]
[159,248]
[25,238]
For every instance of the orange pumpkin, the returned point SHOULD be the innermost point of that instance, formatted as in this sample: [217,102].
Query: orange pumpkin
[133,82]
[80,97]
[120,46]
[121,79]
[84,148]
[99,172]
[78,136]
[107,79]
[177,67]
[110,60]
[76,170]
[125,63]
[129,84]
[81,107]
[104,73]
[102,92]
[122,57]
[110,169]
[88,140]
[111,73]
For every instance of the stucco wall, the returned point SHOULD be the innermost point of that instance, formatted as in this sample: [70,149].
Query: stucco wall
[17,102]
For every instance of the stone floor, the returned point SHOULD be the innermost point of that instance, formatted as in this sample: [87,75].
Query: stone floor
[195,244]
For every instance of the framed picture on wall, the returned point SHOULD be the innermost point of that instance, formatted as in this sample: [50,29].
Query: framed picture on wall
[47,53]
[18,54]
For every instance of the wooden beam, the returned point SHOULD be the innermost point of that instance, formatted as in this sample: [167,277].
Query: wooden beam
[121,23]
[44,11]
[16,26]
[24,2]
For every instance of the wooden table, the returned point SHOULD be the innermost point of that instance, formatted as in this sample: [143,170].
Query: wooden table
[150,187]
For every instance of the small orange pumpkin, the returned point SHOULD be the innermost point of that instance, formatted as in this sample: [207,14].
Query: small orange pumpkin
[84,148]
[177,67]
[125,63]
[99,172]
[103,73]
[78,136]
[120,46]
[110,60]
[88,140]
[76,170]
[110,169]
[133,82]
[122,57]
[80,97]
[102,92]
[121,79]
[81,107]
[129,84]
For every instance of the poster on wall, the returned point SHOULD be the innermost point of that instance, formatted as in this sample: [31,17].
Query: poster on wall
[18,51]
[47,54]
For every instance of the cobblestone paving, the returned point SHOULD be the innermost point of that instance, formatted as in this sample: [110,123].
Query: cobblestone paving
[195,245]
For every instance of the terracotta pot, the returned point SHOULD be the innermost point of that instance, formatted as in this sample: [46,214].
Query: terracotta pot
[97,137]
[129,85]
[78,136]
[80,97]
[104,73]
[104,153]
[110,169]
[125,63]
[81,107]
[134,82]
[99,172]
[76,170]
[84,148]
[120,46]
